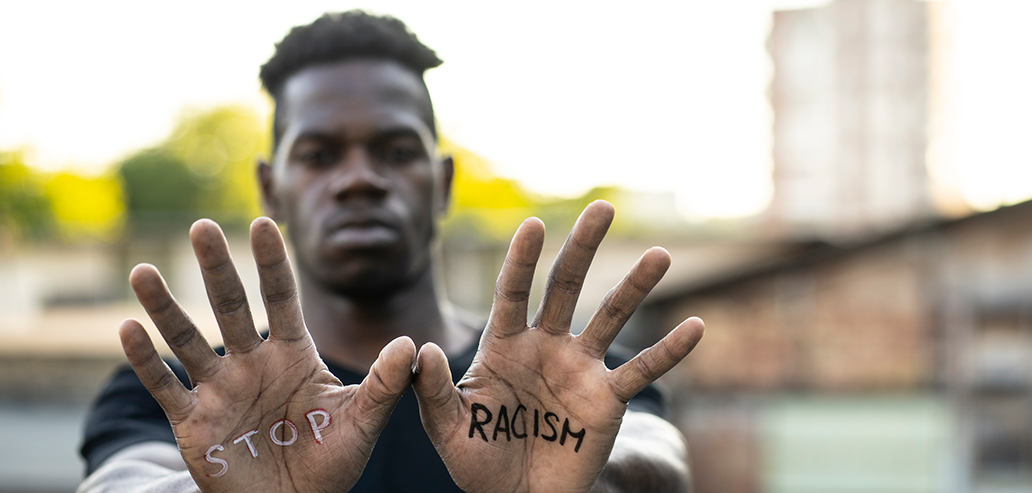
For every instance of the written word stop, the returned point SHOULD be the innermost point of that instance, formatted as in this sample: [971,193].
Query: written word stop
[283,433]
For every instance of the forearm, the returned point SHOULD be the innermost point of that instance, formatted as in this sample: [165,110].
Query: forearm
[137,476]
[149,467]
[649,455]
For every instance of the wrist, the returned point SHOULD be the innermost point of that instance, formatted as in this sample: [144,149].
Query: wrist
[633,473]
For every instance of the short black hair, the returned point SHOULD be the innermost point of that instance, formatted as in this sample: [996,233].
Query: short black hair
[333,37]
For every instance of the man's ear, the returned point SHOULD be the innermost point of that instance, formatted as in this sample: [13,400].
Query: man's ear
[268,197]
[447,178]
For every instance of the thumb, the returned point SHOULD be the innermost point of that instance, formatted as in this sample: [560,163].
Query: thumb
[389,377]
[438,399]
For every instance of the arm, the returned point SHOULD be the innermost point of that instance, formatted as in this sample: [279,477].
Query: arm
[538,411]
[649,455]
[158,453]
[149,467]
[267,416]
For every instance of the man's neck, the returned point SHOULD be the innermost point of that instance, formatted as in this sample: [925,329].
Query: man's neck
[351,332]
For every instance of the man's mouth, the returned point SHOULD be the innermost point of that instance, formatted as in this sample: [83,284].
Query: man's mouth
[361,232]
[366,235]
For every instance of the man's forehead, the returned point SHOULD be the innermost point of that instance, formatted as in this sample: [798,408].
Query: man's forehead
[355,89]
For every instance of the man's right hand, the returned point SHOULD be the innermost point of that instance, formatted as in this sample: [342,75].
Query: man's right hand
[267,416]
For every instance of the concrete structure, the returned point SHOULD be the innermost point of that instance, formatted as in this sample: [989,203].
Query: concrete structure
[901,363]
[850,94]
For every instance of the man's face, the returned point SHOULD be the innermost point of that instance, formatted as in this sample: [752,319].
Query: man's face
[356,176]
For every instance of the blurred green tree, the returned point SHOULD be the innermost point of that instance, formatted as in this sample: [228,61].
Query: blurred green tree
[206,168]
[221,147]
[488,208]
[159,191]
[483,205]
[86,207]
[25,210]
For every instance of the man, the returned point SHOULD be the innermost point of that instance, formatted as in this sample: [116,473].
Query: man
[357,178]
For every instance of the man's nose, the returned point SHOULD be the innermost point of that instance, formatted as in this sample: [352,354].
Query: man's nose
[359,175]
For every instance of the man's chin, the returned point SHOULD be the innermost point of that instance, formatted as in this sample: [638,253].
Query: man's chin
[366,273]
[370,281]
[360,261]
[378,289]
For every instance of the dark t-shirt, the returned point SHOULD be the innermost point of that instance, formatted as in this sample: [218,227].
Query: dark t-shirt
[403,459]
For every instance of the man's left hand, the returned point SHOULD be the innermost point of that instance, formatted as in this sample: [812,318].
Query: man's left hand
[538,411]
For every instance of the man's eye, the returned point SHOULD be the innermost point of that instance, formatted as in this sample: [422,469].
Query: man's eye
[398,154]
[316,157]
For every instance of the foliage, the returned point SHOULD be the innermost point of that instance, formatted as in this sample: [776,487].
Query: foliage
[488,208]
[222,147]
[25,211]
[159,190]
[205,168]
[64,205]
[86,207]
[483,205]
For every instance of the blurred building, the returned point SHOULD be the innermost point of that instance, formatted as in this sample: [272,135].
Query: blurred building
[851,99]
[895,353]
[900,363]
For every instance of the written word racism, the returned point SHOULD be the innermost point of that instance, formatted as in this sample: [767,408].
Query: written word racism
[543,425]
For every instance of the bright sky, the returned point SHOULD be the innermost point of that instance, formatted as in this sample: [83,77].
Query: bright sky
[665,96]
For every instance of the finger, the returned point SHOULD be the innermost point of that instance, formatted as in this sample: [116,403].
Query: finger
[439,407]
[279,290]
[155,375]
[621,301]
[389,377]
[172,321]
[650,364]
[225,291]
[509,310]
[571,265]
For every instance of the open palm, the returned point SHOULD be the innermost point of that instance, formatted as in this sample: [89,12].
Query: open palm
[538,411]
[267,416]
